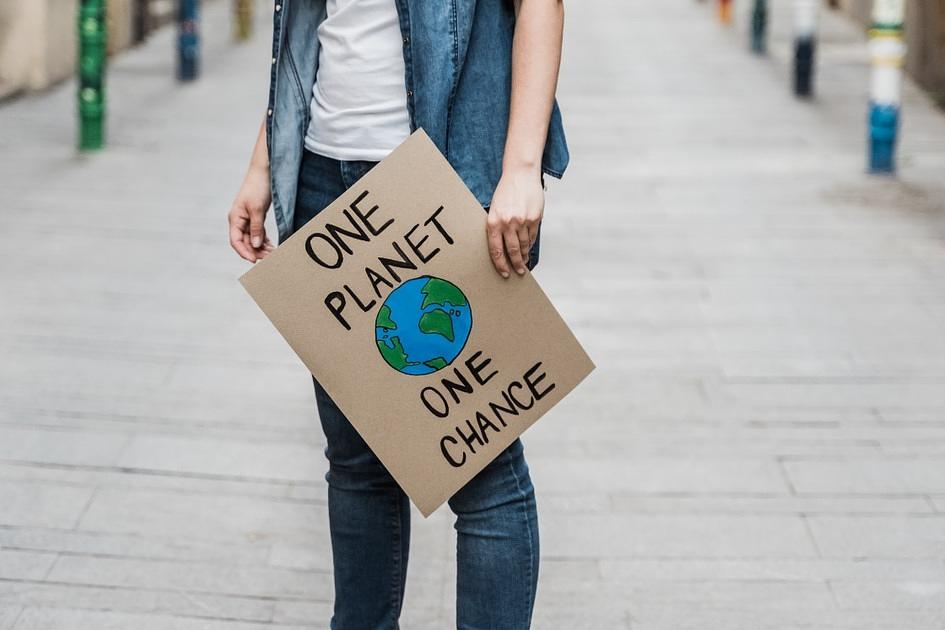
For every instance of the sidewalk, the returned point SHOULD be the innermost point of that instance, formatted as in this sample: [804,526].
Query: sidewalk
[762,446]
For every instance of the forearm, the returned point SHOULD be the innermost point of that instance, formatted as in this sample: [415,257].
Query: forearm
[259,161]
[247,216]
[536,56]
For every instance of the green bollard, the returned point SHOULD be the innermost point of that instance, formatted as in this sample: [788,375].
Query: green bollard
[93,39]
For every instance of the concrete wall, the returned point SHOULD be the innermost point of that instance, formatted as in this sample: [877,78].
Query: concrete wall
[38,40]
[925,38]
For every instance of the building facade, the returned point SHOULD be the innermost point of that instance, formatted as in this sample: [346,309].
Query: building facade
[38,37]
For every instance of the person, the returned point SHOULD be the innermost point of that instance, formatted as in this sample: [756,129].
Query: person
[350,80]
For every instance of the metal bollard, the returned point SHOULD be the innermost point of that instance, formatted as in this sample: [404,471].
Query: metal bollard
[93,39]
[243,22]
[887,52]
[141,20]
[805,45]
[759,26]
[725,11]
[188,40]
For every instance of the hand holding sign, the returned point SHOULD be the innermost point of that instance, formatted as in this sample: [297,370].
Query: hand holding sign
[390,300]
[512,225]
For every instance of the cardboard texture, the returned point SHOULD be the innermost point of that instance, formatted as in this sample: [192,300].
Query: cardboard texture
[389,298]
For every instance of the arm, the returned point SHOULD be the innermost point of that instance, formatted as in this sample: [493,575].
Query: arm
[519,200]
[248,213]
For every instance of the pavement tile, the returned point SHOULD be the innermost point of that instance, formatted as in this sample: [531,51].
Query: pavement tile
[134,545]
[673,536]
[127,599]
[765,569]
[8,616]
[197,516]
[41,505]
[882,537]
[868,476]
[886,595]
[17,564]
[806,505]
[59,618]
[210,578]
[653,474]
[60,447]
[288,461]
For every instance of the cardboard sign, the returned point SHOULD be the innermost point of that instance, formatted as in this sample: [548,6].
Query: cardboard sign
[389,298]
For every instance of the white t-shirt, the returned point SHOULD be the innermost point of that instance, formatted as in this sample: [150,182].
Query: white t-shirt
[359,102]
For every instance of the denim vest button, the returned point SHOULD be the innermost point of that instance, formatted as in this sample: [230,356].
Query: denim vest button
[278,8]
[270,112]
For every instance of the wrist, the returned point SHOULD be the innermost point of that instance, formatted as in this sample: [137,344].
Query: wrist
[521,168]
[257,169]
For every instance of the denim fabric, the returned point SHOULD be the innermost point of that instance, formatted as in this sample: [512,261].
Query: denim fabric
[458,57]
[369,515]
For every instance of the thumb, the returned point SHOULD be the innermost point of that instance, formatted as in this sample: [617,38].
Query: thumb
[257,232]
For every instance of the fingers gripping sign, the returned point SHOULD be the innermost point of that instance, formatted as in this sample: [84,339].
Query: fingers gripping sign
[496,245]
[512,225]
[524,243]
[514,248]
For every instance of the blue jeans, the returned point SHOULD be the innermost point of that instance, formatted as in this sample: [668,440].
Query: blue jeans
[369,515]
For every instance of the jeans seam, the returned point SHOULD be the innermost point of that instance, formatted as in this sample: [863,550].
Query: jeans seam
[397,586]
[454,58]
[531,546]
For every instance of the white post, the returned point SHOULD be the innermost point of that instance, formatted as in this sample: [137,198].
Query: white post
[887,53]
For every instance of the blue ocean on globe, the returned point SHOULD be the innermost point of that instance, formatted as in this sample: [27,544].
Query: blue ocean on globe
[423,325]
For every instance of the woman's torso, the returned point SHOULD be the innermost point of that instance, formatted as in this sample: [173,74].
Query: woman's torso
[457,58]
[359,99]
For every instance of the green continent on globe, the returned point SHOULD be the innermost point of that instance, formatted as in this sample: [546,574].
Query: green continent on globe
[384,320]
[437,321]
[437,363]
[396,356]
[437,291]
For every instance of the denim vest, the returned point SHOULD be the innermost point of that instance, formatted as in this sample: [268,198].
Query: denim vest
[458,57]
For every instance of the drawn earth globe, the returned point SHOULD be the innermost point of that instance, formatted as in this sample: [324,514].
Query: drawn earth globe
[423,325]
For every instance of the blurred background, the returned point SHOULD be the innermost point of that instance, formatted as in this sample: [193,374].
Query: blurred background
[750,242]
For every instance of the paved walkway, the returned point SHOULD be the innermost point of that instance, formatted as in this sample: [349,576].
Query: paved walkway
[762,447]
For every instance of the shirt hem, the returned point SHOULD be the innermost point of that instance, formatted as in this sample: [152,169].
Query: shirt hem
[346,154]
